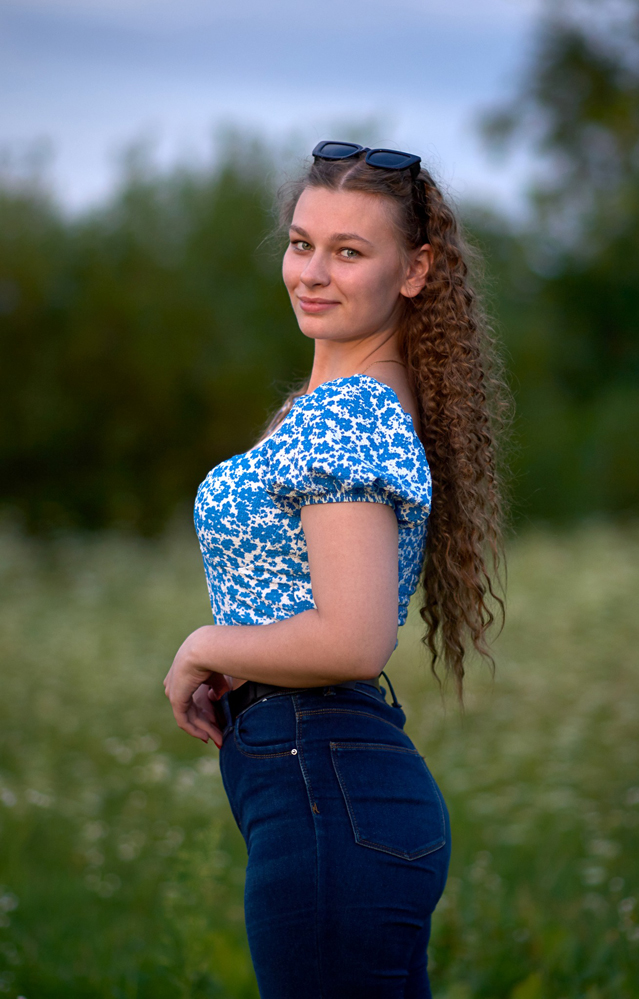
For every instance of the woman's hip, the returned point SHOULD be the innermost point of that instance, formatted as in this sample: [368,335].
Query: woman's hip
[348,842]
[339,765]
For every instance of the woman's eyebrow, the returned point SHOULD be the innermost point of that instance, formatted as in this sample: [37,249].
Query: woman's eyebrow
[337,237]
[348,237]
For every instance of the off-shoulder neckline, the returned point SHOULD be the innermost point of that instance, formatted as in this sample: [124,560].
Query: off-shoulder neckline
[332,381]
[370,378]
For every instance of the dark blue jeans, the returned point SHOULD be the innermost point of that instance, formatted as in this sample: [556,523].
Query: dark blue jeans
[348,844]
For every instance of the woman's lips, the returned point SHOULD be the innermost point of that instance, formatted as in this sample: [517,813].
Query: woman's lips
[316,305]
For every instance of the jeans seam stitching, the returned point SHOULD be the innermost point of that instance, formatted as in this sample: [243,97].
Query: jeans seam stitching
[378,697]
[231,806]
[437,794]
[376,745]
[432,848]
[260,756]
[311,799]
[347,711]
[349,806]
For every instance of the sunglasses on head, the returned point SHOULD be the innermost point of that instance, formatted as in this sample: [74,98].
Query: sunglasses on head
[385,159]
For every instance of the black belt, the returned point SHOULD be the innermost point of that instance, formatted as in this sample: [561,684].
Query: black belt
[251,691]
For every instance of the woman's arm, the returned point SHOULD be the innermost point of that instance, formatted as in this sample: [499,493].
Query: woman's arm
[353,561]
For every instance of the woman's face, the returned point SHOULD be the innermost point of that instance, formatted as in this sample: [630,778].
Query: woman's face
[343,268]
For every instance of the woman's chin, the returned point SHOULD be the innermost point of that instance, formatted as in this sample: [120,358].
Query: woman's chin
[315,329]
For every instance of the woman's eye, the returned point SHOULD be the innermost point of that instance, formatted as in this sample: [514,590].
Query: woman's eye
[349,253]
[300,244]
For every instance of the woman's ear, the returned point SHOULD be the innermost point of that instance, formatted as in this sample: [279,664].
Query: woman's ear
[420,264]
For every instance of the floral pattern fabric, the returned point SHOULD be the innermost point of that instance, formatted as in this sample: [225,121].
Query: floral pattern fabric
[348,441]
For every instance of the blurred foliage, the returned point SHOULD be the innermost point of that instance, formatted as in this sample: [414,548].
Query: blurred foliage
[565,292]
[143,342]
[122,871]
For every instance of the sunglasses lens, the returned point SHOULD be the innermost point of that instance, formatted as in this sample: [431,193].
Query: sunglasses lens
[390,160]
[336,150]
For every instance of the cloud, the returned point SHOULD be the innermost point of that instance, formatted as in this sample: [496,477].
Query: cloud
[93,74]
[158,15]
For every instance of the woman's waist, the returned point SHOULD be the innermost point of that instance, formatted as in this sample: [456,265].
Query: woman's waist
[250,692]
[267,716]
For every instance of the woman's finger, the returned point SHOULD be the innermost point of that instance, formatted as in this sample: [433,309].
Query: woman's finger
[202,702]
[187,726]
[207,717]
[202,723]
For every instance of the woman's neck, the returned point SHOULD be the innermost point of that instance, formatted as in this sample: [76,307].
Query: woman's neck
[341,360]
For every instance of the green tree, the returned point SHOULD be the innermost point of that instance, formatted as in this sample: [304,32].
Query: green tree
[566,286]
[142,343]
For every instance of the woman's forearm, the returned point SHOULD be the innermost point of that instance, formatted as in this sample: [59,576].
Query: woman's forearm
[300,651]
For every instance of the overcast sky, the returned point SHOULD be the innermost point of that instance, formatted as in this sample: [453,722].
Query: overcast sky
[93,75]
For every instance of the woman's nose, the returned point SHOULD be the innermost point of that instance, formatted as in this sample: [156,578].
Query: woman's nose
[316,272]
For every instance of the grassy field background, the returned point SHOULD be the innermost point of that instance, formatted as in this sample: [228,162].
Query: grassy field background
[121,871]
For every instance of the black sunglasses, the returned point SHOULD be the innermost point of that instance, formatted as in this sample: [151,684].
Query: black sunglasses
[385,159]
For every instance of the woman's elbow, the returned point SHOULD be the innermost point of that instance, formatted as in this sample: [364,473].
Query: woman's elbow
[369,653]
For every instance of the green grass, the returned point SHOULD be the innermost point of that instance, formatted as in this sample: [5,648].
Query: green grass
[121,871]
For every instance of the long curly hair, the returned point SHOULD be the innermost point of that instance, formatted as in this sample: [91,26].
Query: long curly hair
[464,406]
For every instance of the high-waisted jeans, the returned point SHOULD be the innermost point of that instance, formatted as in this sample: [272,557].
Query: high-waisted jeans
[348,844]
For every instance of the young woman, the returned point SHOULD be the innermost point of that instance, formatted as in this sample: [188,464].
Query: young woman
[313,542]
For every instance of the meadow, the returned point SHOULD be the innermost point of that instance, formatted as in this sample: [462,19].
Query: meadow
[121,870]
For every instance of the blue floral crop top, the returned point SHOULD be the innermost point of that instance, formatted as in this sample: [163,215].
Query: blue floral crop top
[350,440]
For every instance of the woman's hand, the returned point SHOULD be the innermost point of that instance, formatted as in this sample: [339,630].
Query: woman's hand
[202,714]
[191,685]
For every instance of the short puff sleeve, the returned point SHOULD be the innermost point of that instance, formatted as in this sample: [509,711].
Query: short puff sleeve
[349,441]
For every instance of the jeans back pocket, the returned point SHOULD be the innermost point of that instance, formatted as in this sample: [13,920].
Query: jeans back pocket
[392,800]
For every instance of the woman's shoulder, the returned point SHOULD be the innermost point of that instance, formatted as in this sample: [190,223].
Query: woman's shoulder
[360,398]
[352,431]
[357,413]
